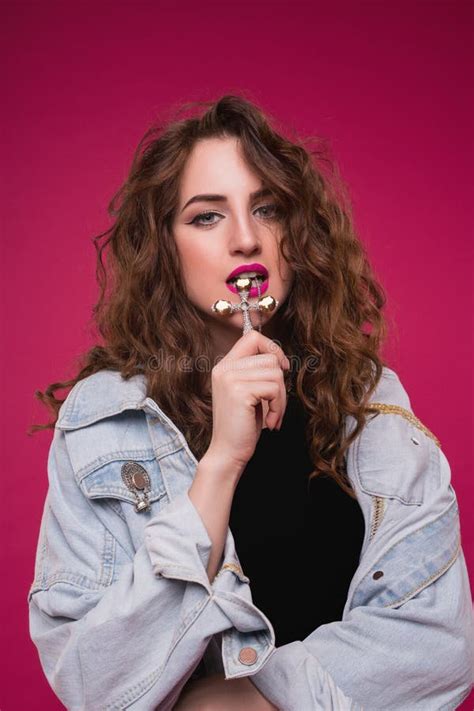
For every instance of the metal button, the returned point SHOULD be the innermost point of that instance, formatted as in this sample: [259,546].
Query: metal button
[248,655]
[378,574]
[414,440]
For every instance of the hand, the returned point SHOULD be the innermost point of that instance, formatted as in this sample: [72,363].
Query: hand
[251,372]
[215,693]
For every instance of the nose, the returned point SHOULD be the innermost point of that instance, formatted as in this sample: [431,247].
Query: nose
[244,238]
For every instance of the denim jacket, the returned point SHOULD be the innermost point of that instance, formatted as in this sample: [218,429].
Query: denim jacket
[122,611]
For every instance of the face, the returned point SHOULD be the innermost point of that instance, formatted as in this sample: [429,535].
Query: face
[238,225]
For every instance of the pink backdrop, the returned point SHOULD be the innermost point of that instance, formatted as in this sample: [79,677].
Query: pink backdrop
[387,82]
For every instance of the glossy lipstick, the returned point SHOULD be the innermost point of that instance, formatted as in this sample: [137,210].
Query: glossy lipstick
[254,267]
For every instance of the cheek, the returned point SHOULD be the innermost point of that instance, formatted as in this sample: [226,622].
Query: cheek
[193,259]
[198,268]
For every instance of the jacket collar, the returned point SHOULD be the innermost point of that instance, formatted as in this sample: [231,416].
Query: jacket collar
[101,395]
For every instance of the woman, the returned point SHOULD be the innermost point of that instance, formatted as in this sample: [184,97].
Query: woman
[340,581]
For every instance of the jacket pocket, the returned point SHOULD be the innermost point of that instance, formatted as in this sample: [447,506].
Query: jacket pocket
[396,457]
[136,480]
[133,489]
[412,562]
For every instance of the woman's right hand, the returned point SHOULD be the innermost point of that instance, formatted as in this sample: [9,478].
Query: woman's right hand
[250,372]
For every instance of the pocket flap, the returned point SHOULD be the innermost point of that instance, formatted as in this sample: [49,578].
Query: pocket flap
[107,480]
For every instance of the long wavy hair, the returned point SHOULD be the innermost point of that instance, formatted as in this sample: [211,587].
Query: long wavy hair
[331,323]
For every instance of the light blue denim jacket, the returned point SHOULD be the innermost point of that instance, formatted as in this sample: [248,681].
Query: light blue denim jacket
[122,611]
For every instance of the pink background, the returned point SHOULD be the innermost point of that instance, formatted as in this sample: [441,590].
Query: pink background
[389,83]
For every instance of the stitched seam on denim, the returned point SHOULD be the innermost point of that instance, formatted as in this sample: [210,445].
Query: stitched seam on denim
[108,559]
[151,678]
[78,581]
[255,667]
[228,635]
[446,512]
[188,575]
[179,440]
[98,415]
[116,506]
[135,692]
[369,491]
[120,492]
[429,523]
[115,456]
[72,399]
[389,409]
[234,598]
[428,580]
[168,449]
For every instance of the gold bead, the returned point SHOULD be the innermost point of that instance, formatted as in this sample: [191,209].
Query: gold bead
[222,307]
[243,283]
[266,303]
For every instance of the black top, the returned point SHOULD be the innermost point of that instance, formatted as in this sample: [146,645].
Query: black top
[298,540]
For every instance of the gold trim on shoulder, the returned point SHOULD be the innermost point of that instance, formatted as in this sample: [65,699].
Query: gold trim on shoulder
[230,566]
[399,410]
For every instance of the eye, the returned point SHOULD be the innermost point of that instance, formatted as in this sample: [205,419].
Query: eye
[201,220]
[270,208]
[197,220]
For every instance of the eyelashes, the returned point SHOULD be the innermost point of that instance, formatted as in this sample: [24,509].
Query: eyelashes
[197,220]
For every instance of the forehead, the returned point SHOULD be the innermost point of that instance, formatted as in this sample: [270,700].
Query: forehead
[217,165]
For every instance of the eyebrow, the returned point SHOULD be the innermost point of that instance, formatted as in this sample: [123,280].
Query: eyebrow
[263,192]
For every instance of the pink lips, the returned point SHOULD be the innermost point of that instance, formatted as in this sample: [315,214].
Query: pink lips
[253,291]
[254,267]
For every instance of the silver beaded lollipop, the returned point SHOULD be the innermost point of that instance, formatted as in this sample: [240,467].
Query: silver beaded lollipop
[264,303]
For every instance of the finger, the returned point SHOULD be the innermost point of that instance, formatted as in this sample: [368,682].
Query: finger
[271,374]
[275,374]
[284,398]
[255,342]
[283,401]
[270,391]
[259,360]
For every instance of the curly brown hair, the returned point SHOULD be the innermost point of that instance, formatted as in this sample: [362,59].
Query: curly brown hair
[332,316]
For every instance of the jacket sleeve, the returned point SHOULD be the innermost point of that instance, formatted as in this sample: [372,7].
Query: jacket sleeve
[113,631]
[406,637]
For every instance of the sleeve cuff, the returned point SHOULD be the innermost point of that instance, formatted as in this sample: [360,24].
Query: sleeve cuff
[293,679]
[178,543]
